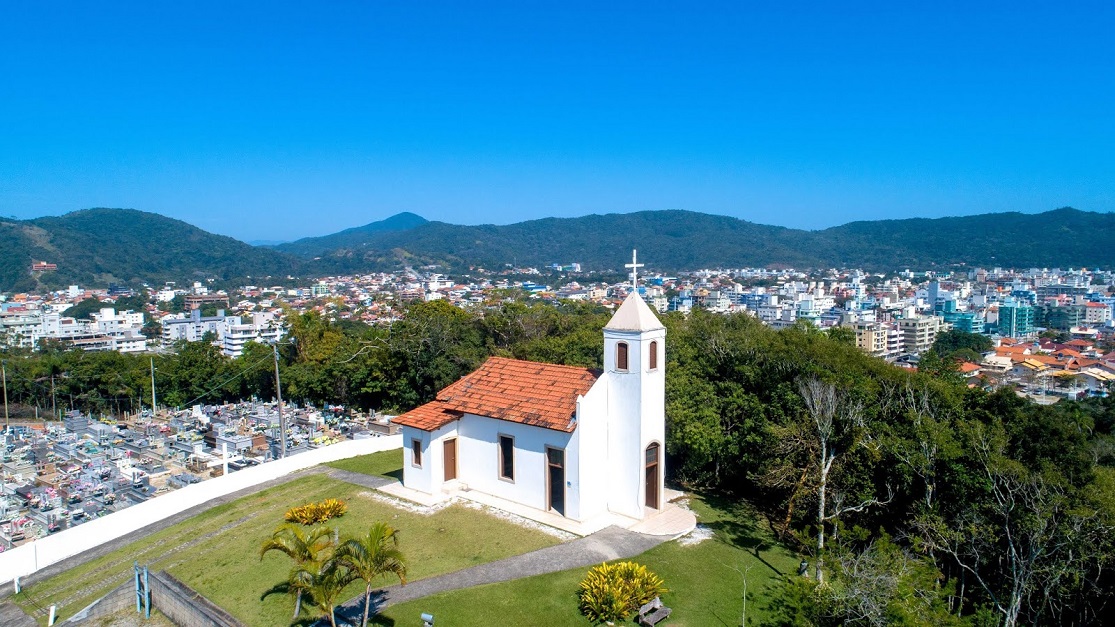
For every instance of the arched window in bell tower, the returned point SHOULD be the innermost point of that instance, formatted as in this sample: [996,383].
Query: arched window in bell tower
[654,355]
[621,356]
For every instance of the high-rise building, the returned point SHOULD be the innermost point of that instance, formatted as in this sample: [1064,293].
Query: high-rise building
[1016,318]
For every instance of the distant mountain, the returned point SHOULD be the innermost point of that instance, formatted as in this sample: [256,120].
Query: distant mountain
[266,242]
[354,237]
[676,240]
[1060,238]
[95,247]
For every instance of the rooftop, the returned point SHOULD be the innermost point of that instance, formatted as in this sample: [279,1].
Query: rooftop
[526,392]
[633,315]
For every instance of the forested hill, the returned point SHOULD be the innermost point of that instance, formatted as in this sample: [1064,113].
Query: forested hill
[676,240]
[351,238]
[95,247]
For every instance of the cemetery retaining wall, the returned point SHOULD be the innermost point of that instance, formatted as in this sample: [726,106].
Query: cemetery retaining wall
[33,556]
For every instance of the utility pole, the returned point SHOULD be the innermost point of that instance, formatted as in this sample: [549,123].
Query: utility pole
[279,396]
[4,375]
[153,405]
[53,400]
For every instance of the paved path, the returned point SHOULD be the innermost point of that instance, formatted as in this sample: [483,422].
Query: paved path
[368,481]
[12,616]
[607,544]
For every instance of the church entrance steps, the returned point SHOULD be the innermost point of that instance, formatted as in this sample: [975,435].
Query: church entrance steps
[671,521]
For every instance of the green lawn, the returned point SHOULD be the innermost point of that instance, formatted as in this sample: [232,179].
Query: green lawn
[705,582]
[216,552]
[383,464]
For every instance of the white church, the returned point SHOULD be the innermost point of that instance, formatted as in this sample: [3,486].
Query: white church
[577,442]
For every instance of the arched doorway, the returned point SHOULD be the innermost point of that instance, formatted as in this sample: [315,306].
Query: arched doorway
[652,477]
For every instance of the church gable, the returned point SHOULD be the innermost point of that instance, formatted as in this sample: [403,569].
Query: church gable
[526,392]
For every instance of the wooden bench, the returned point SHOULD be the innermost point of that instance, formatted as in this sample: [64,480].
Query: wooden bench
[652,613]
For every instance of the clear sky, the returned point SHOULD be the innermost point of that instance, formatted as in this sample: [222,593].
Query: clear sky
[277,120]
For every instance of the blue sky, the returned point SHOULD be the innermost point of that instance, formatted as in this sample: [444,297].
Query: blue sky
[280,120]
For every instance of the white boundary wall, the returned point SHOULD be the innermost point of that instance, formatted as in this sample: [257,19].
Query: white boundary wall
[33,556]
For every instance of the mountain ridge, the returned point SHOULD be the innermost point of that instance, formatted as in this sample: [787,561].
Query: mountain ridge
[308,246]
[102,246]
[686,240]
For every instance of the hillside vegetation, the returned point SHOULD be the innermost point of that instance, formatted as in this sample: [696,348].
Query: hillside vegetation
[100,246]
[685,240]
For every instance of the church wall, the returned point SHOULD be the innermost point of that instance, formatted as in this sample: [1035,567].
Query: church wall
[624,432]
[592,449]
[479,461]
[416,478]
[430,477]
[636,403]
[653,427]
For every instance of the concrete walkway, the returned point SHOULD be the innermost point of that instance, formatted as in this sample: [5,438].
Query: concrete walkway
[368,481]
[12,616]
[607,544]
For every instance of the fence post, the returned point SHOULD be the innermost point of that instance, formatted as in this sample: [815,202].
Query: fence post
[135,567]
[147,592]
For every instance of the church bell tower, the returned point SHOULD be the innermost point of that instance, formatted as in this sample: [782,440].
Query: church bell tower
[635,364]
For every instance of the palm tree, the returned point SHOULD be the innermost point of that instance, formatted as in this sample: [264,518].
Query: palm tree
[373,556]
[302,547]
[323,582]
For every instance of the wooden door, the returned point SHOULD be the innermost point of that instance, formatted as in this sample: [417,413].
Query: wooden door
[555,479]
[450,459]
[652,476]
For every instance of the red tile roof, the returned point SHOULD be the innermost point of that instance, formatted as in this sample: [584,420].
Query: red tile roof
[527,392]
[428,417]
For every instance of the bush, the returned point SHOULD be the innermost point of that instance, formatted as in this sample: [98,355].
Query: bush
[315,513]
[612,592]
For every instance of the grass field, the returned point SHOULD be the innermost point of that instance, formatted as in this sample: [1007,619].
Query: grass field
[705,582]
[383,464]
[217,552]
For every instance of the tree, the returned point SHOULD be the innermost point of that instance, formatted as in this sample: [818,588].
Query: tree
[323,582]
[952,341]
[834,418]
[301,546]
[844,335]
[1023,541]
[372,556]
[85,308]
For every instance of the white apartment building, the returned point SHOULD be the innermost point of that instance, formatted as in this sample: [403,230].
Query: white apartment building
[919,332]
[108,330]
[230,333]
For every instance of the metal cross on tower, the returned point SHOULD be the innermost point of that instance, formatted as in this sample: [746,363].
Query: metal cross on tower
[634,265]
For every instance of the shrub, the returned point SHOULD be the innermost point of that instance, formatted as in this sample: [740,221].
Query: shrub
[612,592]
[315,513]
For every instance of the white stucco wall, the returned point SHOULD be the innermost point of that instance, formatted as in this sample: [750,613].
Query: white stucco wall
[54,548]
[431,476]
[591,439]
[478,461]
[636,404]
[416,478]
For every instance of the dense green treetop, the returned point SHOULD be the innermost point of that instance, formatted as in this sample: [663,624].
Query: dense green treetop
[984,507]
